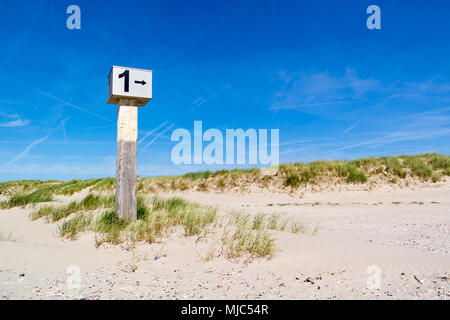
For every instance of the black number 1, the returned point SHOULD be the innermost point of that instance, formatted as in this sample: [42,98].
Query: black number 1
[126,74]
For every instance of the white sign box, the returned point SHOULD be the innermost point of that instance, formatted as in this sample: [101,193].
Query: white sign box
[129,83]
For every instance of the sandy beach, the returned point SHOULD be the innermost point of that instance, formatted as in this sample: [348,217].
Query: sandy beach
[383,244]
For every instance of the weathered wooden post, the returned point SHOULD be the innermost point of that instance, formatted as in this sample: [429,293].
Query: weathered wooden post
[126,169]
[129,88]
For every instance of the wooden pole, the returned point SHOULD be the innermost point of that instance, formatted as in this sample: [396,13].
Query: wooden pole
[126,171]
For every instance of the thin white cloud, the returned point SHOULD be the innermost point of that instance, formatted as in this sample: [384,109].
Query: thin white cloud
[14,123]
[15,120]
[307,105]
[24,153]
[201,100]
[157,136]
[9,115]
[374,109]
[64,132]
[398,136]
[150,132]
[310,90]
[64,102]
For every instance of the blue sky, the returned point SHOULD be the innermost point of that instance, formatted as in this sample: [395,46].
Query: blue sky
[311,69]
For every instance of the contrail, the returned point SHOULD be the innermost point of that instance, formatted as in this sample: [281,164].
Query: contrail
[64,132]
[375,109]
[157,136]
[27,149]
[56,98]
[24,153]
[71,104]
[149,133]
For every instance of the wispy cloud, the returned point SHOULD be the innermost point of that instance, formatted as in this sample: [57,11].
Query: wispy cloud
[157,136]
[152,131]
[363,102]
[66,103]
[373,110]
[300,91]
[395,137]
[54,97]
[201,100]
[9,115]
[64,130]
[25,152]
[307,105]
[14,123]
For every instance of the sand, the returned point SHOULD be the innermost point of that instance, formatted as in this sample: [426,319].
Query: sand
[403,234]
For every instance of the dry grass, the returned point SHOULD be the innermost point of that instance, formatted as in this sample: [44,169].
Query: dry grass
[22,193]
[243,234]
[156,218]
[402,170]
[72,227]
[89,203]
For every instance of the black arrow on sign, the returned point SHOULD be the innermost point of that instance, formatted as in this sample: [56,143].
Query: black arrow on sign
[141,82]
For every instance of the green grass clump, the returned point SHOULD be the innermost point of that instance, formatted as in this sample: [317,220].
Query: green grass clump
[159,204]
[93,202]
[74,186]
[343,169]
[156,220]
[143,211]
[249,242]
[436,177]
[36,192]
[418,167]
[273,222]
[350,171]
[440,161]
[266,222]
[24,199]
[258,222]
[110,225]
[174,204]
[196,219]
[356,176]
[292,180]
[24,186]
[394,166]
[110,222]
[89,203]
[198,175]
[43,211]
[72,227]
[107,184]
[298,227]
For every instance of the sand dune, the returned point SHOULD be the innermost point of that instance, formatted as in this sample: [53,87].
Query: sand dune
[405,234]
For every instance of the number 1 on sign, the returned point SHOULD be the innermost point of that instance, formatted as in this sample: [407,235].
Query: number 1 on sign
[126,74]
